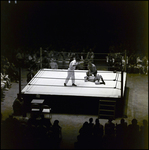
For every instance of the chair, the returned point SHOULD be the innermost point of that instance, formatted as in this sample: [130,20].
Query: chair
[46,110]
[35,109]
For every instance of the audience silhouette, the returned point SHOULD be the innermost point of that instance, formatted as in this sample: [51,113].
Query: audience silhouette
[39,133]
[121,133]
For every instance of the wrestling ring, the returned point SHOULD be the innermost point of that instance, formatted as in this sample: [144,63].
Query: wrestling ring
[48,84]
[86,98]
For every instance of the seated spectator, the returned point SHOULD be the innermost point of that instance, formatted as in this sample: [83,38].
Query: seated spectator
[18,106]
[53,64]
[5,79]
[139,64]
[51,54]
[41,132]
[56,134]
[110,127]
[13,73]
[60,56]
[84,129]
[97,134]
[131,63]
[30,75]
[90,125]
[2,93]
[3,83]
[83,55]
[90,56]
[30,136]
[144,135]
[84,136]
[34,56]
[38,60]
[64,54]
[121,128]
[109,139]
[98,129]
[45,62]
[121,132]
[118,62]
[123,63]
[19,58]
[133,135]
[110,60]
[46,122]
[145,65]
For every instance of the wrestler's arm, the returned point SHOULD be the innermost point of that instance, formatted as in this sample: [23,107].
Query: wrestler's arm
[77,63]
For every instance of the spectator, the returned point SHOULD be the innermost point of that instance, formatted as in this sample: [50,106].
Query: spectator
[56,134]
[45,62]
[53,64]
[84,136]
[46,122]
[13,73]
[90,125]
[123,63]
[5,79]
[51,54]
[18,106]
[60,60]
[144,135]
[110,61]
[3,84]
[30,75]
[145,65]
[97,134]
[19,58]
[121,132]
[90,55]
[109,139]
[133,136]
[139,64]
[131,63]
[110,127]
[82,57]
[118,62]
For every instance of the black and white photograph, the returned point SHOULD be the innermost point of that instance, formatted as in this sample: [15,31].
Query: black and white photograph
[74,74]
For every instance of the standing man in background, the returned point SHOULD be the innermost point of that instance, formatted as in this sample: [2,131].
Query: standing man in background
[30,75]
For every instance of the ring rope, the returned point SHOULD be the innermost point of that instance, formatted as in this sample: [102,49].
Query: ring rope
[79,71]
[69,86]
[75,79]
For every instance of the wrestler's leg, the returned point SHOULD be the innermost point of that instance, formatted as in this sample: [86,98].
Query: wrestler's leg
[100,77]
[97,77]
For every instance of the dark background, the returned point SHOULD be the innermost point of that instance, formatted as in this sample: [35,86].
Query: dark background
[84,23]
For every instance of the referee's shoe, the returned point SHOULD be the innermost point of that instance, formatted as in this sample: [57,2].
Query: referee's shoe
[74,84]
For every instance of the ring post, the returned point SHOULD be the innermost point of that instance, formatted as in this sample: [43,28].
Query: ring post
[19,81]
[125,61]
[40,57]
[121,83]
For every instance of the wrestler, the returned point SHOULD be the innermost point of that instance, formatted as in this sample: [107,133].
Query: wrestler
[95,79]
[91,70]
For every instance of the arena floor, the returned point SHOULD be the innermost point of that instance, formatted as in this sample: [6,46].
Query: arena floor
[136,106]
